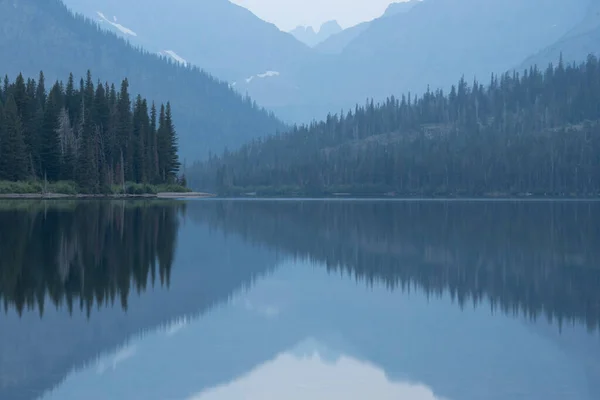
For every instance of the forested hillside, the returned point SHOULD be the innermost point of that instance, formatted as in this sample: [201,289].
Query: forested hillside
[44,35]
[86,133]
[534,133]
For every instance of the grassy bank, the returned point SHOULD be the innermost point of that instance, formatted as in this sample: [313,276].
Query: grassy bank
[70,188]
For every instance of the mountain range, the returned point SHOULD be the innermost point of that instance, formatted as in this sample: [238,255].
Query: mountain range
[423,43]
[186,51]
[412,45]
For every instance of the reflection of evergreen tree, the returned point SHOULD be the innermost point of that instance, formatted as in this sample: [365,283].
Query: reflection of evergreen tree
[523,257]
[81,254]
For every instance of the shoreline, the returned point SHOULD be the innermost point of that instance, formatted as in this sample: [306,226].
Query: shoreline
[414,198]
[203,195]
[61,196]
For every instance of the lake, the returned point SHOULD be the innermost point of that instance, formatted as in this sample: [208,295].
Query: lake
[289,299]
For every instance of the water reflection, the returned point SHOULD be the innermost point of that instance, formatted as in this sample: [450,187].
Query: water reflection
[318,299]
[387,343]
[83,253]
[294,377]
[534,258]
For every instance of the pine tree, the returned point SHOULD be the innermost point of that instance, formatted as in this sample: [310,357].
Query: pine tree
[102,123]
[172,159]
[152,150]
[137,141]
[162,145]
[68,146]
[13,160]
[71,101]
[50,154]
[40,93]
[124,127]
[5,86]
[87,174]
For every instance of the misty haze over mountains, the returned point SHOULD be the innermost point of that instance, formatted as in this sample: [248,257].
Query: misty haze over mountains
[413,45]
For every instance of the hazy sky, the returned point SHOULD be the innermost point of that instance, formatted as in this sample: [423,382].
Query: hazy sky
[287,14]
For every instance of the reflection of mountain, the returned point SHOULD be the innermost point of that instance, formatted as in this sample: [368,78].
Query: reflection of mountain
[531,257]
[388,338]
[113,247]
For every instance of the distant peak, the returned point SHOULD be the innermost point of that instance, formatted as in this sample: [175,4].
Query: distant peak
[308,36]
[329,26]
[303,29]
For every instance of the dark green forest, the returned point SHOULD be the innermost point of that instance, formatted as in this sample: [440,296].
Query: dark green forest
[93,134]
[534,133]
[84,255]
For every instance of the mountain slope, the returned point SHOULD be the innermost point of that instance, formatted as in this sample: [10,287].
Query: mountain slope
[221,37]
[336,43]
[437,40]
[42,34]
[430,43]
[576,45]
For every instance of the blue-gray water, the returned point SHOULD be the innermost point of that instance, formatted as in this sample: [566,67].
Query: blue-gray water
[228,300]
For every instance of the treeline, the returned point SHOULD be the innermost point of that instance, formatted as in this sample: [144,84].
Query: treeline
[532,133]
[84,132]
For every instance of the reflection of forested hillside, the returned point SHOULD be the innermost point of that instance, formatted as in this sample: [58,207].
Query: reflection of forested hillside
[100,257]
[537,258]
[82,254]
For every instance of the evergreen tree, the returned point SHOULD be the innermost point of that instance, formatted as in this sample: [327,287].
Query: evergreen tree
[87,174]
[124,128]
[40,94]
[50,154]
[152,148]
[162,147]
[71,101]
[89,135]
[13,156]
[172,159]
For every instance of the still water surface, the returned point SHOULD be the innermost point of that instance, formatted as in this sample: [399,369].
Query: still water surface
[229,300]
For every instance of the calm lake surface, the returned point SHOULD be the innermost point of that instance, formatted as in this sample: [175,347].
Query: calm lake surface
[261,300]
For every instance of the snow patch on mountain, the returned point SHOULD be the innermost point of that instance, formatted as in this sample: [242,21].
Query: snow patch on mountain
[174,56]
[267,74]
[114,23]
